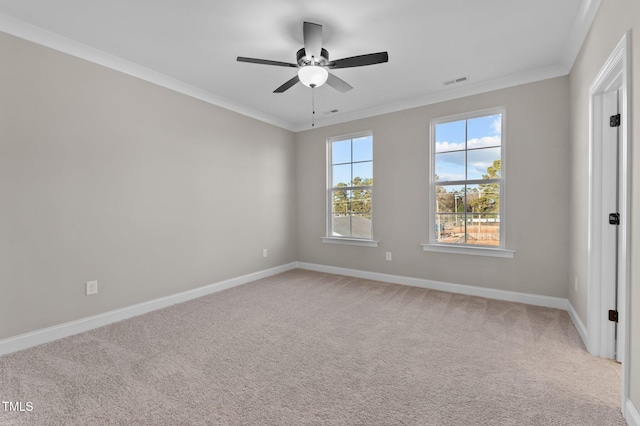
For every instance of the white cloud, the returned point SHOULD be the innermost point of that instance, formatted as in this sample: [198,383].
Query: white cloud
[484,142]
[449,146]
[478,169]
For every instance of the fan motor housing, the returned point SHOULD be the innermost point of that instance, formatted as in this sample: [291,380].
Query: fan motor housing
[304,61]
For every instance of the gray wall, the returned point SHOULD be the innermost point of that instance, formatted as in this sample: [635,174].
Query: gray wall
[106,177]
[537,194]
[614,18]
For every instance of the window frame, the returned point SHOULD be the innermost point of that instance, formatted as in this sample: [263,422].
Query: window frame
[349,240]
[473,249]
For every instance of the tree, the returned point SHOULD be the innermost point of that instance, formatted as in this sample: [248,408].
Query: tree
[488,198]
[341,200]
[353,200]
[361,198]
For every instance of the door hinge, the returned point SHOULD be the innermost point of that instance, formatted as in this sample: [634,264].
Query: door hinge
[614,218]
[613,316]
[614,120]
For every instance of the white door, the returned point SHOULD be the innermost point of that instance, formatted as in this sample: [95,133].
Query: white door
[610,213]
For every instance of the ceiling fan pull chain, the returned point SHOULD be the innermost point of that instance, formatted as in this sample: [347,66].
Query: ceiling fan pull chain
[313,107]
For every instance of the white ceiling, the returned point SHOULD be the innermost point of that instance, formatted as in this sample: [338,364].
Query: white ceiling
[191,46]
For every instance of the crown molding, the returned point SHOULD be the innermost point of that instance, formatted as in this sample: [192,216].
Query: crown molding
[54,41]
[463,91]
[584,19]
[581,25]
[586,14]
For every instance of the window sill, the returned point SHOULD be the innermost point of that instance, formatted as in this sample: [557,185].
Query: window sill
[475,251]
[350,241]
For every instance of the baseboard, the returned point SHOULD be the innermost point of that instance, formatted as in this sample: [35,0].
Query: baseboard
[49,334]
[577,322]
[38,337]
[510,296]
[631,414]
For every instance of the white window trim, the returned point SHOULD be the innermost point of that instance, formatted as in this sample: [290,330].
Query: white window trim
[472,250]
[350,241]
[433,245]
[330,239]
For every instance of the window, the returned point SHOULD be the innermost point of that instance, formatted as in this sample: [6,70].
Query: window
[350,182]
[467,180]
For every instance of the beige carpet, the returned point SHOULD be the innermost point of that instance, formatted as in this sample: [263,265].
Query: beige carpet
[306,348]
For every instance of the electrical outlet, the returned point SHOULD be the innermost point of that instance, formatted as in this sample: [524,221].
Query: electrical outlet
[264,252]
[388,255]
[91,287]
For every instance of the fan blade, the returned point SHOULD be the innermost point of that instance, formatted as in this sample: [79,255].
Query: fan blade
[266,62]
[360,61]
[338,83]
[312,40]
[289,84]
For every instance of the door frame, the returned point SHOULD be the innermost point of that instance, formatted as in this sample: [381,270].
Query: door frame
[614,74]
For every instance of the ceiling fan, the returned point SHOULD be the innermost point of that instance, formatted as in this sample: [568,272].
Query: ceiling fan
[313,63]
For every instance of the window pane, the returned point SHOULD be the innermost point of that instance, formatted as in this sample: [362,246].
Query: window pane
[340,225]
[483,217]
[484,132]
[341,201]
[450,136]
[341,213]
[361,214]
[361,225]
[449,213]
[450,228]
[341,152]
[363,173]
[341,175]
[450,166]
[361,201]
[363,149]
[483,162]
[449,198]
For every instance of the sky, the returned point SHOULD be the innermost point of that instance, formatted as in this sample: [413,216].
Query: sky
[482,138]
[359,151]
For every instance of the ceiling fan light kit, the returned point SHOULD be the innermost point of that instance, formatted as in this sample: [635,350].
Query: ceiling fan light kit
[313,76]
